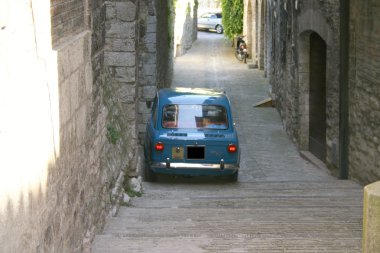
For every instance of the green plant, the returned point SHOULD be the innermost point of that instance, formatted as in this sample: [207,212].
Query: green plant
[232,12]
[131,193]
[112,134]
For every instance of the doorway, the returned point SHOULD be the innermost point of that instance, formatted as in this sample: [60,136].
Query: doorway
[317,97]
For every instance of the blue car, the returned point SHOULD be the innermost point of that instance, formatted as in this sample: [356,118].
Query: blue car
[191,132]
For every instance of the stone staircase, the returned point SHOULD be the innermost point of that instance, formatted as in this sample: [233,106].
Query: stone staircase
[322,216]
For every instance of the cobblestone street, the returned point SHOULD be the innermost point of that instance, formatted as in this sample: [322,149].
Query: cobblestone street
[281,202]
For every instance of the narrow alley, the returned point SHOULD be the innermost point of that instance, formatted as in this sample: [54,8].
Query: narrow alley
[281,202]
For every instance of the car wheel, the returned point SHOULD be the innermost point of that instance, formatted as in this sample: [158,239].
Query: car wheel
[234,177]
[219,29]
[149,175]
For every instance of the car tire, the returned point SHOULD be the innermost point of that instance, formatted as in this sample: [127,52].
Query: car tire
[149,175]
[219,29]
[234,177]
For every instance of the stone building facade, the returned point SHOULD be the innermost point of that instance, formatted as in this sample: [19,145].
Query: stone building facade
[298,45]
[76,82]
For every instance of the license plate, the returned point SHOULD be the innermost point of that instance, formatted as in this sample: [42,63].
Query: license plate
[178,153]
[196,152]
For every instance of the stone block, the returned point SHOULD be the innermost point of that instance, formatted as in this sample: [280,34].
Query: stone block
[143,108]
[149,92]
[145,117]
[151,20]
[125,11]
[121,30]
[120,45]
[129,109]
[125,59]
[149,69]
[125,74]
[150,38]
[141,128]
[149,58]
[110,11]
[151,28]
[371,218]
[151,47]
[127,93]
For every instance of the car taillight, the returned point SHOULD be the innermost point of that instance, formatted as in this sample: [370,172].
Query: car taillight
[232,148]
[159,146]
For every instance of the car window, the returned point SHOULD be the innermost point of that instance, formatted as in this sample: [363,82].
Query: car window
[206,15]
[213,16]
[194,116]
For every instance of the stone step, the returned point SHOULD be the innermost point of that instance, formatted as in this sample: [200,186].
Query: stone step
[244,217]
[294,222]
[222,243]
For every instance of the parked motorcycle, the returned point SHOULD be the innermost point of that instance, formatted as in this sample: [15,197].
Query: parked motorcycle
[241,52]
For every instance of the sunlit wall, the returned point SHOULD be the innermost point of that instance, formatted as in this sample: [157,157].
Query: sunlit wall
[29,117]
[184,26]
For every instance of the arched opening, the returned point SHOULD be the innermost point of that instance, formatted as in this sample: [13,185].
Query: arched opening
[317,97]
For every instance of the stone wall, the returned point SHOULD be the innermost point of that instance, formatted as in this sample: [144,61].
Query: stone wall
[148,65]
[120,60]
[364,90]
[75,128]
[289,28]
[291,24]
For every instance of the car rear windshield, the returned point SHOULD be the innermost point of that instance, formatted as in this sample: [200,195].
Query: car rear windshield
[194,116]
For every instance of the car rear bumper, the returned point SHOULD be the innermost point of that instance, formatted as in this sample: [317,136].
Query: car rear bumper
[194,168]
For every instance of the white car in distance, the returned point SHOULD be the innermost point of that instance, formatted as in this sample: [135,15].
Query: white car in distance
[211,21]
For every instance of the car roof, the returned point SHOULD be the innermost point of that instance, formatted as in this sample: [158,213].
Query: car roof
[192,96]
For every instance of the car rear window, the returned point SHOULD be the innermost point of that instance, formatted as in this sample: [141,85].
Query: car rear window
[194,116]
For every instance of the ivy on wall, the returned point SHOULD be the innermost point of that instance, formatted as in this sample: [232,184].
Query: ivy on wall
[232,12]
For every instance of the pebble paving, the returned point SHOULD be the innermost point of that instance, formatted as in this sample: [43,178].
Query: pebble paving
[281,202]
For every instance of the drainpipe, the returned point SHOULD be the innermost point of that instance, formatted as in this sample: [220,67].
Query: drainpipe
[344,88]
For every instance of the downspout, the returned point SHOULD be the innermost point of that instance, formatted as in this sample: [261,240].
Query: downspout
[344,89]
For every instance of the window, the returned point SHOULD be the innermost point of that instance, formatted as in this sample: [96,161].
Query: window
[206,15]
[195,117]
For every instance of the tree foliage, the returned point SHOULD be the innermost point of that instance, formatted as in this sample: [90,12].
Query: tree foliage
[232,12]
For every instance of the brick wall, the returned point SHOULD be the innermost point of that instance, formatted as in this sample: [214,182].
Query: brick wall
[364,110]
